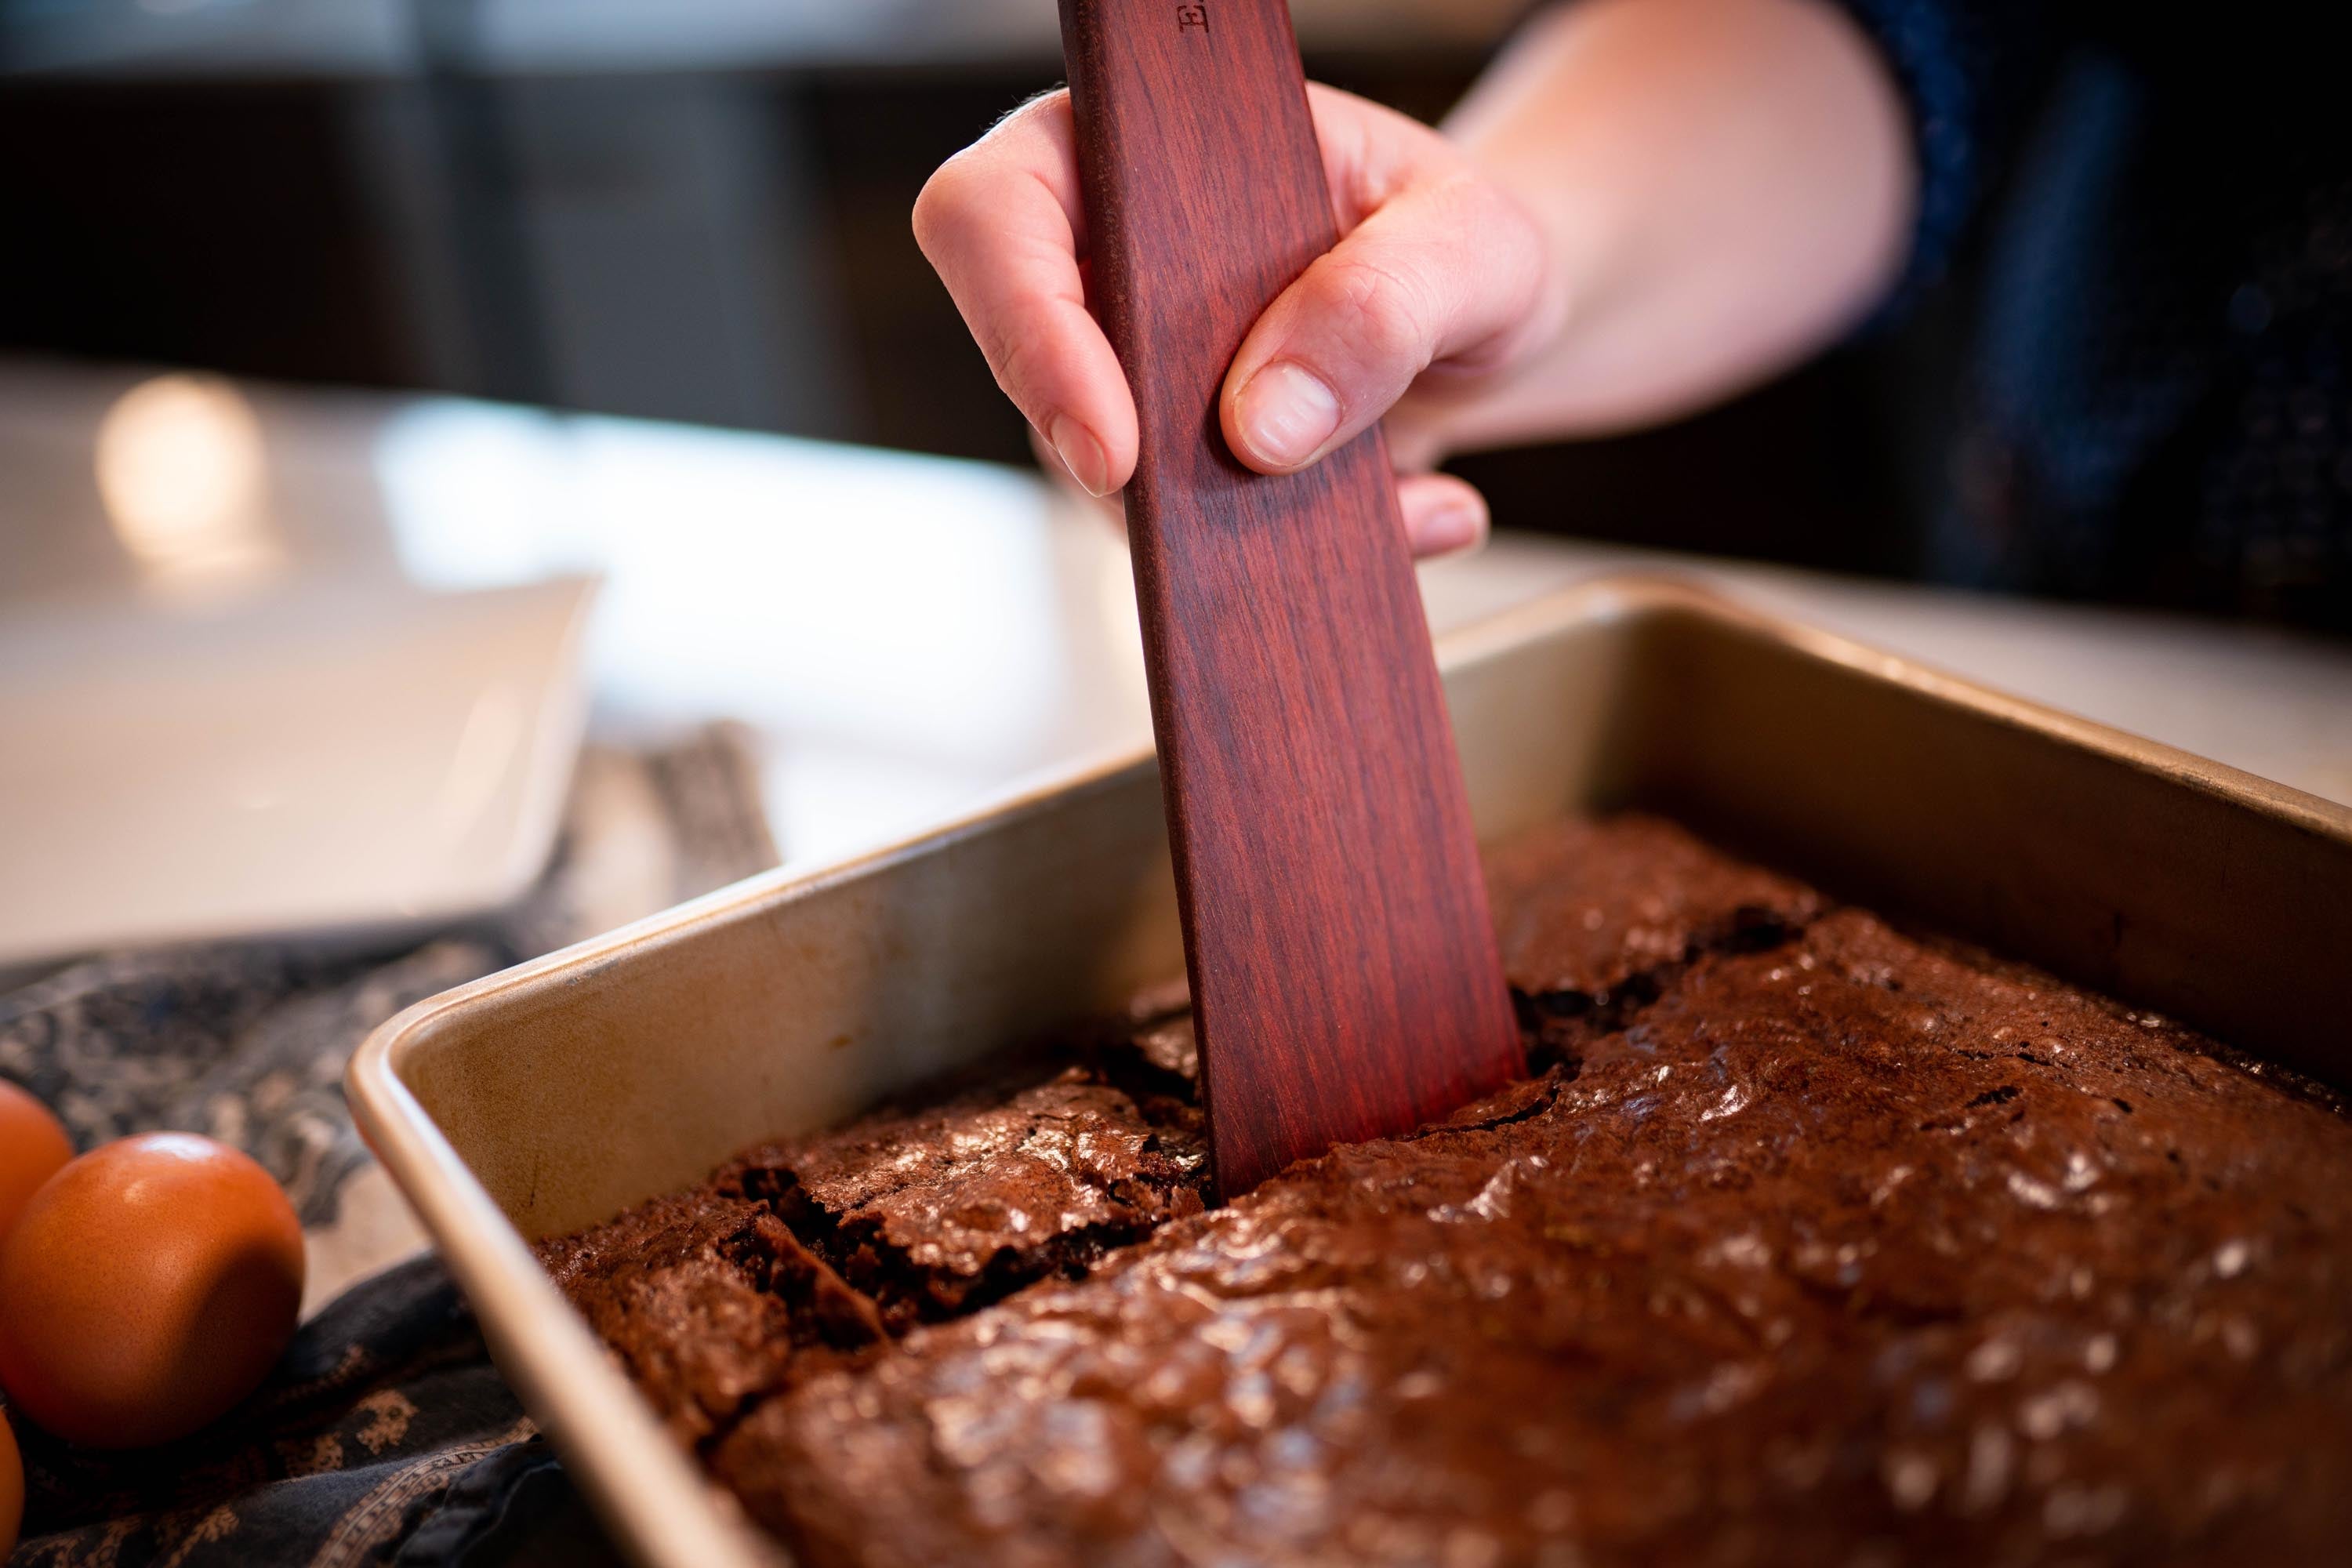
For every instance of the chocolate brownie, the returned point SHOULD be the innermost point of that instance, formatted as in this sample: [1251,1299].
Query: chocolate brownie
[1595,917]
[710,1302]
[1813,1241]
[1587,908]
[939,1209]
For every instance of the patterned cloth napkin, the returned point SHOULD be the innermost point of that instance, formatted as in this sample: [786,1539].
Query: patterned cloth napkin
[384,1435]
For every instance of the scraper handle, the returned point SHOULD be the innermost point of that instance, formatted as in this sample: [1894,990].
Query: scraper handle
[1345,980]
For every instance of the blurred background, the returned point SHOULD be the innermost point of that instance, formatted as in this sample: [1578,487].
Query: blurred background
[477,472]
[395,393]
[698,210]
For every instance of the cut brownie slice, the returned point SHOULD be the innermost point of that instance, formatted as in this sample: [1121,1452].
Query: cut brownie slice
[1587,907]
[709,1302]
[1595,917]
[939,1210]
[1156,1060]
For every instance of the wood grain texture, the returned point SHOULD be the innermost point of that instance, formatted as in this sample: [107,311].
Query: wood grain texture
[1345,980]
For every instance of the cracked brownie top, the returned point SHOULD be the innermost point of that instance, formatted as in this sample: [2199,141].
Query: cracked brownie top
[710,1303]
[938,1210]
[1809,1241]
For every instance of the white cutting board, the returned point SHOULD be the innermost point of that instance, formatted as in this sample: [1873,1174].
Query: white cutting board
[333,762]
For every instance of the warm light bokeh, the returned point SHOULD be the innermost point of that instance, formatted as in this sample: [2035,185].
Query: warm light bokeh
[181,470]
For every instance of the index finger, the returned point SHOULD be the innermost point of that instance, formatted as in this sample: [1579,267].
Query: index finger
[1002,223]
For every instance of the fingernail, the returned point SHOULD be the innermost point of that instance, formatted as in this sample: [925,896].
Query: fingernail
[1080,453]
[1447,530]
[1286,413]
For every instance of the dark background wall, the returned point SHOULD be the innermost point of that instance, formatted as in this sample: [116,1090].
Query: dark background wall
[733,248]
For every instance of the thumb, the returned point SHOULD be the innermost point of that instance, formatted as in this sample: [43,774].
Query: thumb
[1451,273]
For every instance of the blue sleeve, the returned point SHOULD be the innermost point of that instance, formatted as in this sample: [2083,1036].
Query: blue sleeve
[1958,68]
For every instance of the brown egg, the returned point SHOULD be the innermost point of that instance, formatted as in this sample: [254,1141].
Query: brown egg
[33,1144]
[12,1489]
[148,1287]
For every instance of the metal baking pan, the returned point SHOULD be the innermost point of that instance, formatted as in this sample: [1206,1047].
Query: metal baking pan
[556,1094]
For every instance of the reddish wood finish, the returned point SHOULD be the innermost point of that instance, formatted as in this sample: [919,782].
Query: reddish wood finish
[1345,981]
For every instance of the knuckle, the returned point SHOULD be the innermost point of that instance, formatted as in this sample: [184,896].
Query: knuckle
[944,204]
[1382,314]
[1013,356]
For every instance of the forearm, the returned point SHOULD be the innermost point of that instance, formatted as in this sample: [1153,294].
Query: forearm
[1725,185]
[1650,205]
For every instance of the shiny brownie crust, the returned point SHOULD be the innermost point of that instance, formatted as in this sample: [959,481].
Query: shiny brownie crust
[1806,1240]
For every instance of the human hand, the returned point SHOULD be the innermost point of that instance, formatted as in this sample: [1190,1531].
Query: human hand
[1440,281]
